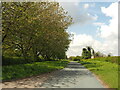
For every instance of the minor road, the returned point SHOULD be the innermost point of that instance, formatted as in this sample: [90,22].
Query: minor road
[74,75]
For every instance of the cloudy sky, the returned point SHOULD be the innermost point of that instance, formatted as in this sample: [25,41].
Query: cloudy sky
[95,25]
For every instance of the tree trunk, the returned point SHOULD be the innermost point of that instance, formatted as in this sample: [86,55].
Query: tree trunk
[35,55]
[24,54]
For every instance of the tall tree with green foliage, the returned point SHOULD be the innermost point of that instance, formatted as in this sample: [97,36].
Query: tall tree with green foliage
[84,53]
[87,52]
[33,29]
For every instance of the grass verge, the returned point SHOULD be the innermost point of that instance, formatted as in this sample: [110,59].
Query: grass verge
[105,70]
[26,70]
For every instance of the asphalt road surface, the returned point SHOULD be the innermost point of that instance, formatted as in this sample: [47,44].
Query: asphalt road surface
[74,75]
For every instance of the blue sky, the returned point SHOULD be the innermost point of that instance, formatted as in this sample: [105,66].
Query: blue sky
[90,28]
[95,25]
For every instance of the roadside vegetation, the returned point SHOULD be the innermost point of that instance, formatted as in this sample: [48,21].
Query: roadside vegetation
[103,66]
[34,38]
[13,72]
[106,68]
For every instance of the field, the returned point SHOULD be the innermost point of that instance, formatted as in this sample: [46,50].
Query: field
[106,68]
[12,72]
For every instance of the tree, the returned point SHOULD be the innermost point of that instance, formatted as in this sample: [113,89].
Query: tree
[88,52]
[109,55]
[18,30]
[99,54]
[33,29]
[77,58]
[85,53]
[71,57]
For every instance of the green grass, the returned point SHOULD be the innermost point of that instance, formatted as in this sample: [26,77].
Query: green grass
[25,70]
[105,68]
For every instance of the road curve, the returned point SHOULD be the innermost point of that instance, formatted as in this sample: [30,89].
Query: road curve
[74,75]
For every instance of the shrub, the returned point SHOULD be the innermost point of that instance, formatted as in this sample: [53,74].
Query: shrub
[77,58]
[15,60]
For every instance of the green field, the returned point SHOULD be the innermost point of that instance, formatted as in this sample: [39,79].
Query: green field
[25,70]
[106,68]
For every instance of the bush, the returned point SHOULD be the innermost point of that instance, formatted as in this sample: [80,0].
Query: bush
[15,60]
[77,58]
[113,59]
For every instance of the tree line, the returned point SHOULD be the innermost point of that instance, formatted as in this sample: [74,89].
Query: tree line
[87,53]
[33,29]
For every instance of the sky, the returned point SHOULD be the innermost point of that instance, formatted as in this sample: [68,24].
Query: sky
[95,24]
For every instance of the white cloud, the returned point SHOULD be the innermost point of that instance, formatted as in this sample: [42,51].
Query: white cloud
[108,32]
[111,11]
[76,3]
[82,40]
[98,23]
[86,6]
[80,15]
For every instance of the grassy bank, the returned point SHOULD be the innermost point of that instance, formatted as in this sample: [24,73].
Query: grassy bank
[106,68]
[26,70]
